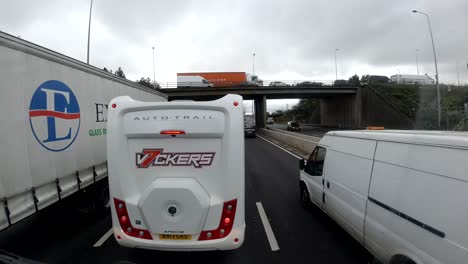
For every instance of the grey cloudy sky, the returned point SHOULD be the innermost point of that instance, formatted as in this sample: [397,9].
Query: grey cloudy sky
[293,40]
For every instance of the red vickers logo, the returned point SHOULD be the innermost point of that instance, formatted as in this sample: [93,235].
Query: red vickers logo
[156,157]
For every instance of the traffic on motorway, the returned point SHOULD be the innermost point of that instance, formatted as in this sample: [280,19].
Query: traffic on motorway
[97,168]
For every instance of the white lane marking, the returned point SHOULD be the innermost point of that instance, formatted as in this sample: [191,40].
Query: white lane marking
[266,224]
[278,146]
[104,238]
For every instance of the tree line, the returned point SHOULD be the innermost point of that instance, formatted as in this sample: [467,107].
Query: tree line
[142,81]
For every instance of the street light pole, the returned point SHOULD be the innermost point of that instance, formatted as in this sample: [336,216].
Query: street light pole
[435,63]
[253,64]
[89,30]
[417,63]
[154,73]
[458,75]
[336,67]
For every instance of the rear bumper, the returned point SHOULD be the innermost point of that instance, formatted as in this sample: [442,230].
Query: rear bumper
[226,243]
[250,132]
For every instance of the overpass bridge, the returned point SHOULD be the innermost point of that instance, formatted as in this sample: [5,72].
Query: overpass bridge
[256,92]
[340,106]
[333,98]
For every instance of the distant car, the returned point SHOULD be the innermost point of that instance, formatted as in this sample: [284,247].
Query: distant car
[293,126]
[270,121]
[307,83]
[249,126]
[378,79]
[278,83]
[341,83]
[248,84]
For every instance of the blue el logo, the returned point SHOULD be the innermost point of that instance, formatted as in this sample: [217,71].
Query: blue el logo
[54,115]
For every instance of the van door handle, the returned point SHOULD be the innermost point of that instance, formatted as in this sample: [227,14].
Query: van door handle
[328,184]
[323,181]
[323,197]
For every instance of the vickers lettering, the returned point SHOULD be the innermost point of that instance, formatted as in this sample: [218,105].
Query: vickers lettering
[177,117]
[156,157]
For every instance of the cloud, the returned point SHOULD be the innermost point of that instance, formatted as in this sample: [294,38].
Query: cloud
[291,39]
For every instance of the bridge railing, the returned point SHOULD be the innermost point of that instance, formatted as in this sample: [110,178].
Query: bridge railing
[264,83]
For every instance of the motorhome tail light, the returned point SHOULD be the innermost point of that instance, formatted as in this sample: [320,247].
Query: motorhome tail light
[172,132]
[114,105]
[225,225]
[124,220]
[236,103]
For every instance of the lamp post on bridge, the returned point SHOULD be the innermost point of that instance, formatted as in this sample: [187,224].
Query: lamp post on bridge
[253,63]
[417,62]
[336,67]
[154,72]
[439,114]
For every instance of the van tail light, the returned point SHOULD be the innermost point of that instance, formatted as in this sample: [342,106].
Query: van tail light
[124,220]
[225,224]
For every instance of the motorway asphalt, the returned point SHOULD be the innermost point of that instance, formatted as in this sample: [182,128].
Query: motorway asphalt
[316,131]
[61,235]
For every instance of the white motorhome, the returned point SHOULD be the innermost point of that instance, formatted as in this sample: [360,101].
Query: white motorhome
[176,173]
[192,81]
[401,194]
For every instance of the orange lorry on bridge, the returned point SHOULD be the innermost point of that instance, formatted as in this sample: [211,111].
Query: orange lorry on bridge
[226,79]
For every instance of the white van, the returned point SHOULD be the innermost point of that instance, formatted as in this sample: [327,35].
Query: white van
[192,81]
[249,125]
[402,194]
[176,173]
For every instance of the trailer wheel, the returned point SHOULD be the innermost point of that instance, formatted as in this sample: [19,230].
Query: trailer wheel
[102,199]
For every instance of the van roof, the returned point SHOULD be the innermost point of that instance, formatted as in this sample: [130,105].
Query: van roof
[443,138]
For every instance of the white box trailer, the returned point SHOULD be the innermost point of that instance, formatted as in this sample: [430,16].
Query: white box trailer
[53,126]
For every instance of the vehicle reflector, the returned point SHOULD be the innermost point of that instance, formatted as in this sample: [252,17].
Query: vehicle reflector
[236,103]
[124,220]
[114,105]
[172,132]
[225,225]
[375,128]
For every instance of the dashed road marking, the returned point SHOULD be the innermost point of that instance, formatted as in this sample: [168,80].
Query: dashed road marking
[104,238]
[266,224]
[278,146]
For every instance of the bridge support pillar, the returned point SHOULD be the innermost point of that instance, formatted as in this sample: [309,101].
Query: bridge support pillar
[341,111]
[260,112]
